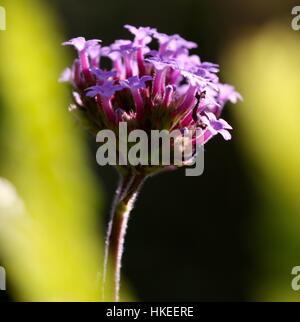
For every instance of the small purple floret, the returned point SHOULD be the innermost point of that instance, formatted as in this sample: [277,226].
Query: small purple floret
[107,90]
[135,82]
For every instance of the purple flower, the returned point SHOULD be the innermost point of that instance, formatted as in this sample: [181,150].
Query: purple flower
[210,67]
[135,82]
[195,80]
[103,75]
[125,47]
[107,90]
[105,51]
[86,49]
[81,43]
[94,52]
[167,87]
[228,94]
[161,64]
[172,45]
[216,126]
[143,35]
[189,63]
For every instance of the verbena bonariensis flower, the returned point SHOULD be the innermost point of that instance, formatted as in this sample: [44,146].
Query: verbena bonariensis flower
[162,89]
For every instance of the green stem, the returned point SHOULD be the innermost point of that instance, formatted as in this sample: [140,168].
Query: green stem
[128,189]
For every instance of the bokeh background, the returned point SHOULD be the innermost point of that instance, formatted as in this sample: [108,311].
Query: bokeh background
[229,235]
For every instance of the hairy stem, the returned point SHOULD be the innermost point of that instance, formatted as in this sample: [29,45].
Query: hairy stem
[127,191]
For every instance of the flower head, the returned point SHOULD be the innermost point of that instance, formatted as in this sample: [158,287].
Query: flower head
[167,88]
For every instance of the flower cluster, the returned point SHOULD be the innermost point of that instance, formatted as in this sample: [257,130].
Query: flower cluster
[162,89]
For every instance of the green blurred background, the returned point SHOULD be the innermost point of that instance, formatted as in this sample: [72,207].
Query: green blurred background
[231,234]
